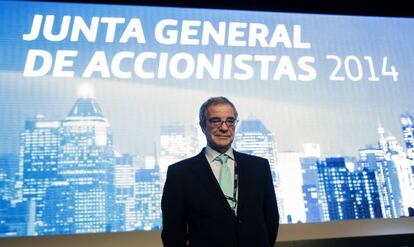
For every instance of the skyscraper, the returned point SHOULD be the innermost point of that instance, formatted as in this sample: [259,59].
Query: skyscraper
[335,196]
[391,175]
[86,162]
[347,194]
[148,197]
[407,168]
[125,201]
[365,194]
[387,179]
[59,215]
[177,142]
[9,164]
[252,137]
[13,212]
[290,185]
[39,157]
[310,188]
[407,125]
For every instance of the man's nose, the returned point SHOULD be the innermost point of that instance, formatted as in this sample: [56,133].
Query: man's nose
[224,127]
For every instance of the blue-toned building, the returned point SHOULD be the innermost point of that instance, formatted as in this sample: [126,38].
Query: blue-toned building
[13,211]
[335,193]
[346,194]
[407,125]
[59,215]
[9,166]
[125,201]
[13,218]
[365,194]
[86,163]
[252,137]
[148,195]
[399,171]
[387,180]
[39,158]
[177,141]
[310,188]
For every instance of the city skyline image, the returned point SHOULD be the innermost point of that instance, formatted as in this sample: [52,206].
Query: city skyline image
[89,127]
[49,167]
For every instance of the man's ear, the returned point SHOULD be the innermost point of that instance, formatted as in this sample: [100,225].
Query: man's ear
[203,127]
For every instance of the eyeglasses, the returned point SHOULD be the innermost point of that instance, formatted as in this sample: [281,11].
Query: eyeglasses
[217,122]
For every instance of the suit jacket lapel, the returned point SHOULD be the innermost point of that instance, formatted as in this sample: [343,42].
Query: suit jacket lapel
[203,171]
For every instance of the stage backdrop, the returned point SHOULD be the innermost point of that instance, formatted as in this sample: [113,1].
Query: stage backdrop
[96,101]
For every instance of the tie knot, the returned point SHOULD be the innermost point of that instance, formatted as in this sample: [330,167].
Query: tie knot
[222,158]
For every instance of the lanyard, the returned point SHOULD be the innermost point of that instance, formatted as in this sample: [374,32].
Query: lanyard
[235,188]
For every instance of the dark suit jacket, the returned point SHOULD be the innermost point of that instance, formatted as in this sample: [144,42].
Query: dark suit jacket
[195,209]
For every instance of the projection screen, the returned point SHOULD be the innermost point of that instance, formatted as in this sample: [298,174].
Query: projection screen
[96,101]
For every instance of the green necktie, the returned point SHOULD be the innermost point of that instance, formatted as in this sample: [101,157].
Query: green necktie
[226,180]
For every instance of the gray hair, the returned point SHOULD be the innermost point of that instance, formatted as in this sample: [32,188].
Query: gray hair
[213,101]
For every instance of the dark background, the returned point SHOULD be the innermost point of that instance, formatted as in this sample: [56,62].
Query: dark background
[396,8]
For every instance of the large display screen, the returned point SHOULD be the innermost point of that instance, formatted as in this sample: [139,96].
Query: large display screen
[96,101]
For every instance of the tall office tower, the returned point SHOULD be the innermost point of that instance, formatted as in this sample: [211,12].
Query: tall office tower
[5,187]
[252,137]
[290,180]
[365,194]
[86,162]
[407,168]
[125,193]
[39,149]
[9,164]
[387,180]
[5,207]
[335,195]
[177,142]
[59,213]
[404,180]
[388,144]
[382,141]
[405,175]
[310,188]
[148,198]
[407,125]
[13,211]
[11,220]
[346,194]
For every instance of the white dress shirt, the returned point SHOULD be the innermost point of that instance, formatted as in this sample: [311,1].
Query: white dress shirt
[215,164]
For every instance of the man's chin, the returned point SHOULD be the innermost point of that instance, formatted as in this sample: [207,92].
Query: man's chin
[221,146]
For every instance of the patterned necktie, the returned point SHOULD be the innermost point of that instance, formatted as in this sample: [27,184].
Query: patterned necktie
[226,180]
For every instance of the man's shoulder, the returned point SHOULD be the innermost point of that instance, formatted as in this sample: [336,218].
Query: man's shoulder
[249,157]
[185,163]
[252,163]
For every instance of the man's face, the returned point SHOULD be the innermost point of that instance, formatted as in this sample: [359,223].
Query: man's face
[220,126]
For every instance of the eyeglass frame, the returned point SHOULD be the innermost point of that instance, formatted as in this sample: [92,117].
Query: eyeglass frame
[231,122]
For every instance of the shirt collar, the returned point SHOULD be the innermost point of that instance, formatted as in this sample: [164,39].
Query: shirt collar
[212,154]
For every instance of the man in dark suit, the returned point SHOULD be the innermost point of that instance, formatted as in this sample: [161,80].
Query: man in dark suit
[219,198]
